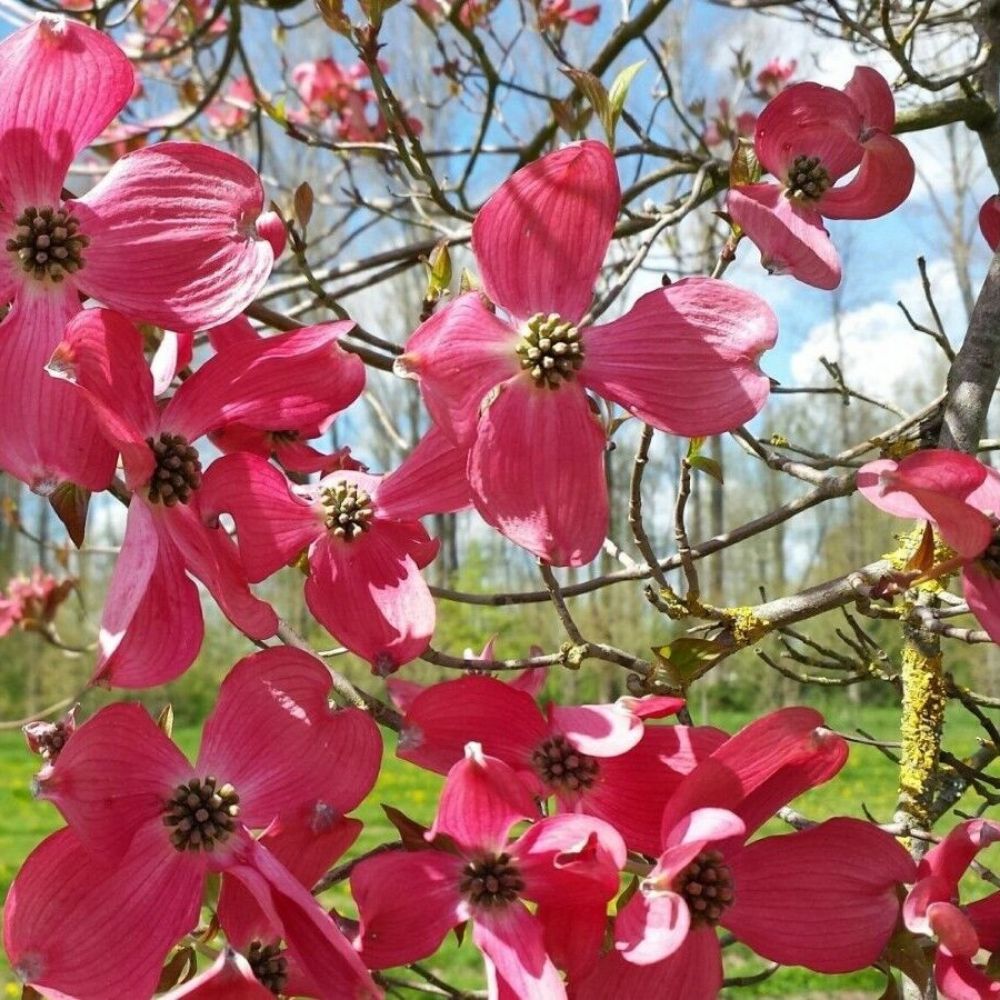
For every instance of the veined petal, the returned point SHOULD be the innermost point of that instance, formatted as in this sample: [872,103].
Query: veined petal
[313,753]
[172,236]
[652,926]
[791,238]
[274,383]
[229,977]
[883,182]
[458,355]
[989,221]
[541,238]
[984,915]
[959,979]
[684,358]
[173,354]
[62,84]
[511,939]
[873,98]
[66,913]
[50,434]
[272,525]
[370,595]
[982,591]
[431,480]
[537,471]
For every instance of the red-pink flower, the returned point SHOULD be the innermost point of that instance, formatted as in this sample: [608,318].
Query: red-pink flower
[809,137]
[167,237]
[513,387]
[145,828]
[32,602]
[933,908]
[559,13]
[151,629]
[365,543]
[825,897]
[961,497]
[989,221]
[774,77]
[567,865]
[229,977]
[600,760]
[167,23]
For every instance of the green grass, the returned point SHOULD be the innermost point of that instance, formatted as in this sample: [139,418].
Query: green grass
[868,780]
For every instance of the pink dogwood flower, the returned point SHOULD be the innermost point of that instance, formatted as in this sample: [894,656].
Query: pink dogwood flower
[989,221]
[559,13]
[933,907]
[146,828]
[809,137]
[513,388]
[567,865]
[599,760]
[365,543]
[825,897]
[726,126]
[230,113]
[151,629]
[229,977]
[167,237]
[32,602]
[774,77]
[961,497]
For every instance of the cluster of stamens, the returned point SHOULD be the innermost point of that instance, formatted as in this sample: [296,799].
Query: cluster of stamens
[550,349]
[178,471]
[807,178]
[201,814]
[990,558]
[348,510]
[269,966]
[48,243]
[707,887]
[491,881]
[561,766]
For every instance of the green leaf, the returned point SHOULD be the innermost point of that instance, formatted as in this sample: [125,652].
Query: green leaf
[597,97]
[707,465]
[439,266]
[619,92]
[694,447]
[744,167]
[687,658]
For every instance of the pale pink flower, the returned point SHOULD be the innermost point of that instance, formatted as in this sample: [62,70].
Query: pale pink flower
[513,387]
[825,898]
[365,543]
[231,112]
[568,865]
[472,13]
[989,221]
[32,602]
[933,907]
[167,23]
[167,237]
[126,877]
[774,77]
[559,13]
[809,137]
[961,497]
[151,629]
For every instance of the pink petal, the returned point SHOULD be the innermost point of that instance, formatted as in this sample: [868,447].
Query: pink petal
[173,354]
[402,927]
[984,915]
[237,330]
[66,913]
[102,356]
[541,238]
[178,219]
[987,496]
[32,404]
[277,700]
[458,356]
[959,979]
[597,730]
[275,383]
[62,84]
[791,238]
[684,358]
[808,119]
[229,977]
[537,471]
[511,938]
[953,929]
[370,595]
[949,859]
[430,480]
[826,897]
[652,926]
[273,526]
[989,221]
[872,96]
[444,717]
[982,591]
[151,625]
[883,182]
[115,774]
[925,892]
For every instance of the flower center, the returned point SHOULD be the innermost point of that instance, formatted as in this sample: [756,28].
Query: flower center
[269,966]
[561,766]
[550,349]
[807,179]
[201,813]
[284,437]
[707,887]
[348,510]
[48,243]
[990,559]
[491,881]
[178,472]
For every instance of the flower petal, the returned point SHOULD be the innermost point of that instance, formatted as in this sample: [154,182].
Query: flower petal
[959,979]
[541,238]
[62,84]
[989,221]
[982,592]
[883,182]
[873,98]
[684,358]
[172,236]
[652,926]
[458,356]
[791,239]
[537,471]
[313,753]
[511,939]
[229,977]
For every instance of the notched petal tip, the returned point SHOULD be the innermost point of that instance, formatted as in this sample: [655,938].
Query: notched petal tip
[62,364]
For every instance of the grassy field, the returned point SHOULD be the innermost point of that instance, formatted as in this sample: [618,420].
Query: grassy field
[868,781]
